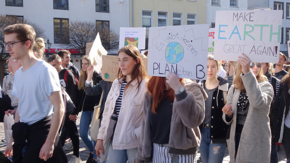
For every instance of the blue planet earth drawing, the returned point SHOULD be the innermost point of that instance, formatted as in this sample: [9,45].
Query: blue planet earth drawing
[174,53]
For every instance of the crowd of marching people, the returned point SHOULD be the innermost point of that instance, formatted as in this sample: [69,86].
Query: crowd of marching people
[242,106]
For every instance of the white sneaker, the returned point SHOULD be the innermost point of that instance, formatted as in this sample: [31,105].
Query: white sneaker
[75,159]
[69,148]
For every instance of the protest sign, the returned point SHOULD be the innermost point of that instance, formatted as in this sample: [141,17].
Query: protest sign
[211,40]
[178,49]
[96,53]
[88,47]
[254,33]
[8,122]
[110,67]
[132,36]
[288,45]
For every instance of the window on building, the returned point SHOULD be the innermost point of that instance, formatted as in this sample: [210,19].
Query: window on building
[287,34]
[288,10]
[234,3]
[212,25]
[60,4]
[282,33]
[20,18]
[103,27]
[147,19]
[102,5]
[18,3]
[279,6]
[215,2]
[162,19]
[61,31]
[191,19]
[177,19]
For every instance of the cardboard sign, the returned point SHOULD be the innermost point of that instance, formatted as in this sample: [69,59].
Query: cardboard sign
[211,40]
[88,47]
[8,122]
[96,53]
[111,67]
[255,33]
[132,36]
[178,49]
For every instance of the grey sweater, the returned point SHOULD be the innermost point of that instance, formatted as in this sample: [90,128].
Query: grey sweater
[187,115]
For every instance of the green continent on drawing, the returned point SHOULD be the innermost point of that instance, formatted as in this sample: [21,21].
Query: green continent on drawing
[174,53]
[107,76]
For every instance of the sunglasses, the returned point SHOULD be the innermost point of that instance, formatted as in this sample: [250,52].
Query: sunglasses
[252,64]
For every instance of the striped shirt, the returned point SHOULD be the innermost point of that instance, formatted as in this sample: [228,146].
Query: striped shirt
[119,100]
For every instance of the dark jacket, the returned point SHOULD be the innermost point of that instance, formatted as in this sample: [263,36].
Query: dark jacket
[88,102]
[97,89]
[279,113]
[5,104]
[67,80]
[74,70]
[218,128]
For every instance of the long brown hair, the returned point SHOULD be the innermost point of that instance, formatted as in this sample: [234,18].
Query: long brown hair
[156,87]
[286,79]
[139,72]
[83,76]
[238,83]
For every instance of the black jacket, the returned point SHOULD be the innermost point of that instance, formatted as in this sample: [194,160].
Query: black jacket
[68,81]
[282,102]
[88,102]
[75,71]
[5,104]
[218,128]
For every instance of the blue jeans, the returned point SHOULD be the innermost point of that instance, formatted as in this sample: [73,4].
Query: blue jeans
[211,152]
[86,119]
[121,156]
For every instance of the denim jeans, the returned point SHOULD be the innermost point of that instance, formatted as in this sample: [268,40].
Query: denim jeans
[86,119]
[286,142]
[121,156]
[211,152]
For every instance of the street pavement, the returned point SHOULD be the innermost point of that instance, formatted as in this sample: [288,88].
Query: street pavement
[84,152]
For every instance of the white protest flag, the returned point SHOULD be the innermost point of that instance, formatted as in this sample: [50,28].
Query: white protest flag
[255,33]
[178,49]
[96,53]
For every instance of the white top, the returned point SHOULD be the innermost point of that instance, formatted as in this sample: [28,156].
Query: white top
[222,73]
[33,88]
[0,92]
[7,88]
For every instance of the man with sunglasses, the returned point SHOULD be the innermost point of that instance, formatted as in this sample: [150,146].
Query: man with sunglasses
[40,108]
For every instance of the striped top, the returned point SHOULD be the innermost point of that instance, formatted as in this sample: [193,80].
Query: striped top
[119,100]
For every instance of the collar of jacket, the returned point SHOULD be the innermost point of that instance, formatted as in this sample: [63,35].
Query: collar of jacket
[134,82]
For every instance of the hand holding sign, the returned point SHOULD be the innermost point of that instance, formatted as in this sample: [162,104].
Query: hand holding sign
[173,81]
[245,62]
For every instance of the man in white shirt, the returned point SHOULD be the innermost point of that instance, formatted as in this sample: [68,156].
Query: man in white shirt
[38,90]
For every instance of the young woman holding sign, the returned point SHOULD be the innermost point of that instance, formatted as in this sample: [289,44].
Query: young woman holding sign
[213,129]
[122,117]
[173,109]
[87,104]
[247,113]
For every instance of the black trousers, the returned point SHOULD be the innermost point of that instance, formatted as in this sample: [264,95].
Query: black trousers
[70,129]
[35,135]
[286,142]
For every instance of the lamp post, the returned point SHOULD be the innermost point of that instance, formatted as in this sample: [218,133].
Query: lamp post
[48,45]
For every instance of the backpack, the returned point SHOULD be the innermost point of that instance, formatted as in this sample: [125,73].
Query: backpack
[65,78]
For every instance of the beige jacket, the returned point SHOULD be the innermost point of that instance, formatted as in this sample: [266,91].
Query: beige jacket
[127,131]
[255,139]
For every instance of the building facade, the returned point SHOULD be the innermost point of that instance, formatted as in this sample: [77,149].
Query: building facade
[157,13]
[54,17]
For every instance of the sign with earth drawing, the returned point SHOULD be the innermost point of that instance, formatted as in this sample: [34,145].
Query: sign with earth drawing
[178,49]
[132,36]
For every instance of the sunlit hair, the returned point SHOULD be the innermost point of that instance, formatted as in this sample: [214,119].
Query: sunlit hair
[138,72]
[83,76]
[238,83]
[156,87]
[211,57]
[283,55]
[39,48]
[270,68]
